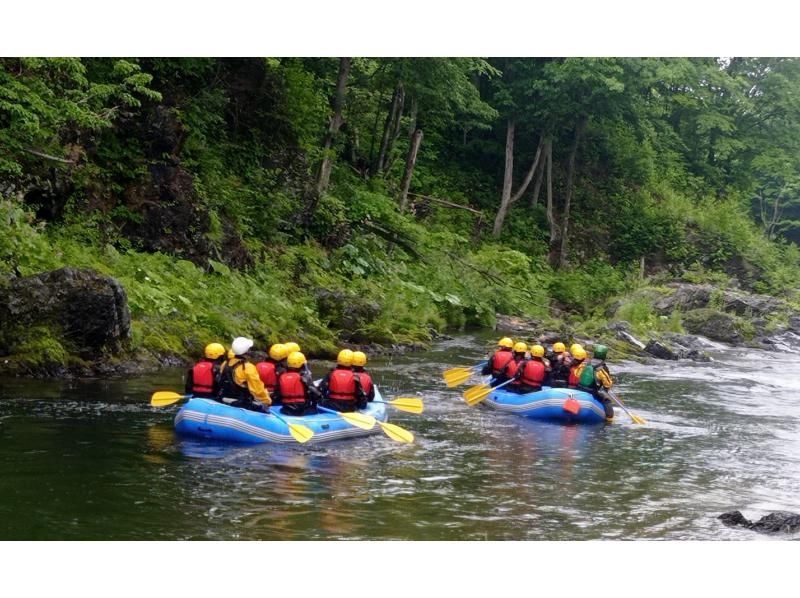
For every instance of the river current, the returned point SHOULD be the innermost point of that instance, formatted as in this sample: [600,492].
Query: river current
[90,459]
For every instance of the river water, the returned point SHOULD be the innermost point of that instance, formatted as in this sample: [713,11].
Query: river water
[90,459]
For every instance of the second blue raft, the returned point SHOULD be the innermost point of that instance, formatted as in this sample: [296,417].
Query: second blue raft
[565,405]
[205,418]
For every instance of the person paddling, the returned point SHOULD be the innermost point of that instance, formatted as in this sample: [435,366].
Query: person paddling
[359,361]
[498,361]
[341,388]
[202,379]
[578,354]
[296,387]
[595,378]
[560,362]
[510,371]
[240,384]
[271,368]
[531,373]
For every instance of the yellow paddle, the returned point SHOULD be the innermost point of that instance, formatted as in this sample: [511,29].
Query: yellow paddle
[475,394]
[396,432]
[367,422]
[162,398]
[455,376]
[359,420]
[299,432]
[635,418]
[410,404]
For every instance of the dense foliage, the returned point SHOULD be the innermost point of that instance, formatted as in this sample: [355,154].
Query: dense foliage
[538,184]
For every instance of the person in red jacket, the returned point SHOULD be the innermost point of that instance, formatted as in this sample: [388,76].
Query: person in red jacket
[270,369]
[296,387]
[359,361]
[202,379]
[498,361]
[510,371]
[532,372]
[341,388]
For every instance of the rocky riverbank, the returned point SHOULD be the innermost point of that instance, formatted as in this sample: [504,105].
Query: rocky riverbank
[677,321]
[76,323]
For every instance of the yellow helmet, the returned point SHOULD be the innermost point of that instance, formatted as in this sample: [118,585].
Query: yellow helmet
[345,358]
[578,352]
[573,347]
[359,359]
[214,350]
[292,346]
[537,351]
[295,360]
[520,348]
[505,342]
[559,348]
[231,354]
[278,352]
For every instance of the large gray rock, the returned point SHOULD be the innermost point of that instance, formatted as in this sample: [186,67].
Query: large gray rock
[713,324]
[660,350]
[776,522]
[686,297]
[88,309]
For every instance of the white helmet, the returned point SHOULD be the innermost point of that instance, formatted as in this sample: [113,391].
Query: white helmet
[241,345]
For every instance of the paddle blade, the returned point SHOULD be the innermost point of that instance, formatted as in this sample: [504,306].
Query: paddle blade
[163,398]
[360,420]
[636,419]
[397,433]
[454,371]
[300,433]
[476,394]
[457,378]
[409,404]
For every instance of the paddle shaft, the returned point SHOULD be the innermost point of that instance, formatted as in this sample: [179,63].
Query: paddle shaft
[625,409]
[489,391]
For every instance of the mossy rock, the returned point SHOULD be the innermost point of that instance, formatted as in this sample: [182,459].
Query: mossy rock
[717,325]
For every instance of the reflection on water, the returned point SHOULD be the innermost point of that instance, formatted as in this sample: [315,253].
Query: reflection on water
[91,460]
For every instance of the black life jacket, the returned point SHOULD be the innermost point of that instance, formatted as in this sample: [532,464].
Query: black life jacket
[228,387]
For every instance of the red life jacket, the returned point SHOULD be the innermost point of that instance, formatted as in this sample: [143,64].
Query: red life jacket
[574,375]
[499,360]
[366,382]
[203,378]
[292,389]
[342,385]
[266,371]
[533,373]
[511,371]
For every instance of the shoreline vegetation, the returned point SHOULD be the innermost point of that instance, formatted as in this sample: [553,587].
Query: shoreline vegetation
[381,203]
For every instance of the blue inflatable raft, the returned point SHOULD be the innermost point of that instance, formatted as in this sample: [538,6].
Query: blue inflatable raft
[205,418]
[565,405]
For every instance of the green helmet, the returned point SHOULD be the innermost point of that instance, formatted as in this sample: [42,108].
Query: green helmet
[600,352]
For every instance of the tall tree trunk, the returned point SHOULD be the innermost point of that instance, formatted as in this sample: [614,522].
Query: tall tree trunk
[411,160]
[551,219]
[529,175]
[537,185]
[324,176]
[505,198]
[580,127]
[388,127]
